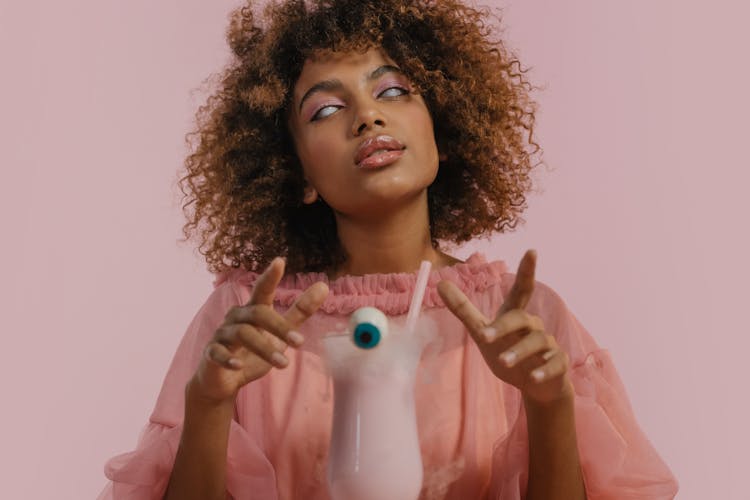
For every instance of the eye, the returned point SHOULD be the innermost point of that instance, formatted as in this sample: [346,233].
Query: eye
[366,336]
[369,326]
[318,115]
[402,91]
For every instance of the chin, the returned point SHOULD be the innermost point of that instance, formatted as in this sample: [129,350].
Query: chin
[381,201]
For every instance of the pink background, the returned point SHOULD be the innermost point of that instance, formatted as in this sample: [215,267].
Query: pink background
[638,222]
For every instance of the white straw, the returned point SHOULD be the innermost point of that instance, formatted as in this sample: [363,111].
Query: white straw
[416,299]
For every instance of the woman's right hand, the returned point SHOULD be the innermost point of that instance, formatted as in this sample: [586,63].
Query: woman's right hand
[253,338]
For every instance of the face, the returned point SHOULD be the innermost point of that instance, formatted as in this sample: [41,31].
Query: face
[343,99]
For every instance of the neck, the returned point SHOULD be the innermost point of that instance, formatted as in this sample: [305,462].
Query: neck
[395,242]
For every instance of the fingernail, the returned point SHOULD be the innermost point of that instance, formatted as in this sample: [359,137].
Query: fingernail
[278,359]
[508,357]
[489,334]
[295,337]
[537,375]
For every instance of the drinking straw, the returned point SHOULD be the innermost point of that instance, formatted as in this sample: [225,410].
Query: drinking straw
[416,299]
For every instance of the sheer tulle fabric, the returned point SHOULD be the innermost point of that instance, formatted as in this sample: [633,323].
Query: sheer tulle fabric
[617,459]
[472,426]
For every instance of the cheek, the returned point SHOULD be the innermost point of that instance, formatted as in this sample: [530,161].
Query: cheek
[317,153]
[425,134]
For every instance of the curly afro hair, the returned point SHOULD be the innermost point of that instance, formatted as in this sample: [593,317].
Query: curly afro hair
[246,182]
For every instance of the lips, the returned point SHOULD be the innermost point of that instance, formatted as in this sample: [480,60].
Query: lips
[373,144]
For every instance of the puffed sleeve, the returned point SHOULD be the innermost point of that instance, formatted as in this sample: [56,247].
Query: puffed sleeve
[144,472]
[618,461]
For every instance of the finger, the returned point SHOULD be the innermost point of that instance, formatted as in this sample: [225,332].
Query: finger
[220,355]
[513,321]
[265,286]
[266,318]
[523,286]
[306,304]
[555,367]
[464,310]
[531,344]
[253,340]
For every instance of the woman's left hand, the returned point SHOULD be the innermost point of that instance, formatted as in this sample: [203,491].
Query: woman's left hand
[514,344]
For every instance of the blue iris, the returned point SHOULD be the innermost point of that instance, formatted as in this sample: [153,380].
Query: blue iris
[366,335]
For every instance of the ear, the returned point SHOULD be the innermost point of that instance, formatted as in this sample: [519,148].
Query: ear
[310,196]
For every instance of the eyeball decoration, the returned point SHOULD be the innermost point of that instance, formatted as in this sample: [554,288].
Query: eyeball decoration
[368,326]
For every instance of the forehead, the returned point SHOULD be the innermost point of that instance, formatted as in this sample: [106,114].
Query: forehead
[325,65]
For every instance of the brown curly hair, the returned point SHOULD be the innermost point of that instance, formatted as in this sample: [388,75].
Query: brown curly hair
[244,176]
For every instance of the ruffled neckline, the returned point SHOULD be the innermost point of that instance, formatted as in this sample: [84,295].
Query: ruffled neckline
[389,292]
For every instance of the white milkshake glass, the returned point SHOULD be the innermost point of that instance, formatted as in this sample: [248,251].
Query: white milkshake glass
[374,451]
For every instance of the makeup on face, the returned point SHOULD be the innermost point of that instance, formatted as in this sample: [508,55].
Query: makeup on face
[363,136]
[316,99]
[379,151]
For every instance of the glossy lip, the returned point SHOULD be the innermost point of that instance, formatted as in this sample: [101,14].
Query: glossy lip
[372,144]
[380,160]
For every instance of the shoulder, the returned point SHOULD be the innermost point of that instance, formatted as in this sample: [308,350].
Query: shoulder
[215,306]
[544,297]
[235,275]
[237,282]
[547,304]
[559,320]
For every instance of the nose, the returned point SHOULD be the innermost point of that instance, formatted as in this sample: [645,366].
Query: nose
[367,116]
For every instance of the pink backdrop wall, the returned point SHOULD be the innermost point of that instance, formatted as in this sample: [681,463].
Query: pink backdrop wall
[640,223]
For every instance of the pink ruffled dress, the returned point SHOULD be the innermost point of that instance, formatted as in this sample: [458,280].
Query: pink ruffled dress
[472,426]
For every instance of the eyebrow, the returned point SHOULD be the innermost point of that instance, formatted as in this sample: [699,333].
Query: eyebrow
[334,84]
